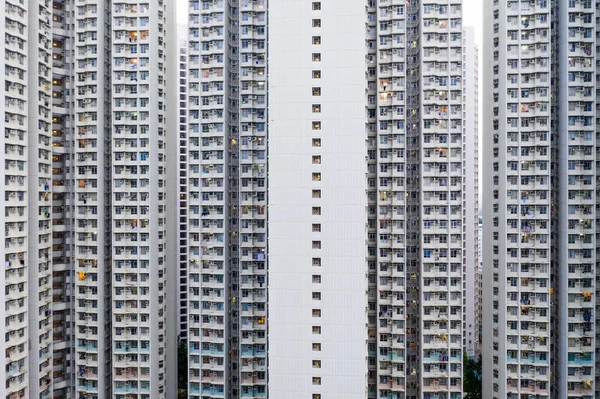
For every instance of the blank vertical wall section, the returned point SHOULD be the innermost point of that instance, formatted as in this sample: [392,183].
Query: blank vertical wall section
[343,202]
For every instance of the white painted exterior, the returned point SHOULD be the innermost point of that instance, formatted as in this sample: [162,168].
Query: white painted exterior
[176,220]
[178,177]
[470,192]
[342,272]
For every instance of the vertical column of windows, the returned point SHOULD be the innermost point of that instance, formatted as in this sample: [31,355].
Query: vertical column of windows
[527,195]
[62,201]
[88,173]
[252,176]
[412,154]
[183,189]
[40,202]
[596,289]
[138,199]
[316,178]
[371,164]
[391,195]
[194,205]
[581,178]
[15,200]
[441,199]
[524,234]
[130,198]
[470,209]
[236,322]
[497,199]
[207,202]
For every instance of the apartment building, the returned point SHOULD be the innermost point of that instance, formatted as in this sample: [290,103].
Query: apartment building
[63,214]
[179,179]
[27,202]
[176,198]
[119,194]
[479,291]
[371,154]
[417,212]
[539,228]
[84,199]
[317,201]
[227,183]
[358,142]
[471,273]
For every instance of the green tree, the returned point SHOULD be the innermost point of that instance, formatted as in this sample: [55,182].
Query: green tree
[472,377]
[182,369]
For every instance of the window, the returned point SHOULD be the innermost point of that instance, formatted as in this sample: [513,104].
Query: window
[316,364]
[316,40]
[316,227]
[316,330]
[316,262]
[316,108]
[316,396]
[316,159]
[316,278]
[316,91]
[316,312]
[316,74]
[316,57]
[316,244]
[316,142]
[316,380]
[316,295]
[316,210]
[316,176]
[316,23]
[316,347]
[316,193]
[316,5]
[316,125]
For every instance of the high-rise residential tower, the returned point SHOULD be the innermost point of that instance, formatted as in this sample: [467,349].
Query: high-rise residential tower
[312,177]
[227,175]
[479,291]
[332,187]
[84,199]
[178,176]
[539,222]
[63,210]
[470,193]
[26,199]
[317,201]
[415,182]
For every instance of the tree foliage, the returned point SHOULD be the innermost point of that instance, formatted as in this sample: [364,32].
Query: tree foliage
[182,369]
[472,378]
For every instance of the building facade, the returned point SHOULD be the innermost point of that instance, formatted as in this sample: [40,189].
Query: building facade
[26,203]
[63,211]
[539,228]
[317,200]
[479,292]
[227,182]
[400,265]
[84,199]
[179,184]
[148,199]
[415,130]
[470,183]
